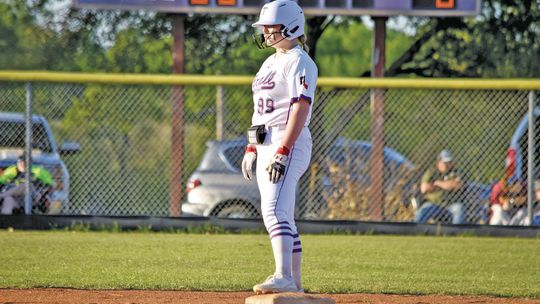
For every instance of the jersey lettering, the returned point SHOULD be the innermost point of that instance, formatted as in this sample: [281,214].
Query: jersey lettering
[264,83]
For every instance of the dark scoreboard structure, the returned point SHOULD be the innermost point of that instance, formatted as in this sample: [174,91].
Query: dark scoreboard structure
[431,8]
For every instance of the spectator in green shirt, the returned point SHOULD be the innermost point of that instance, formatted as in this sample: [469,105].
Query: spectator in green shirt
[13,181]
[442,188]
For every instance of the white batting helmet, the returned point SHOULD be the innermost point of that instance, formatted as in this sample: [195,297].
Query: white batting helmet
[285,12]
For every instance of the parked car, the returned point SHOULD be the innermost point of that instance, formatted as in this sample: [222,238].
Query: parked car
[517,153]
[357,155]
[516,163]
[217,187]
[44,153]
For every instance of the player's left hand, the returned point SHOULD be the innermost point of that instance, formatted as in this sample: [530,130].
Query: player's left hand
[276,169]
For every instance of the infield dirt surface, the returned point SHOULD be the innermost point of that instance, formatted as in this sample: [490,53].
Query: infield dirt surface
[61,296]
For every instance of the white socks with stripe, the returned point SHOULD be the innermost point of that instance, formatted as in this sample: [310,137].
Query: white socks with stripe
[281,238]
[282,247]
[287,250]
[297,261]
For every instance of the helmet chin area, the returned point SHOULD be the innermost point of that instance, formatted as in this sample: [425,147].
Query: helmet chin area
[262,43]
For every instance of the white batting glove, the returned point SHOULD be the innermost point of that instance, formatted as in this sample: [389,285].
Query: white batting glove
[247,163]
[276,169]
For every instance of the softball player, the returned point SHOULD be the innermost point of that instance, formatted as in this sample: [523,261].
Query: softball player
[279,139]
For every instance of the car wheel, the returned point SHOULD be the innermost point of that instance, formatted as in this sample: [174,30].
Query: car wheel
[237,211]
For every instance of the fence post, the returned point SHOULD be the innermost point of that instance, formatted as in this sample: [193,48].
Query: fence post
[28,149]
[531,157]
[219,112]
[377,121]
[176,193]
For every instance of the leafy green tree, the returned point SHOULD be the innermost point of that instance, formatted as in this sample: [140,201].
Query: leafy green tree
[504,41]
[23,44]
[136,53]
[345,48]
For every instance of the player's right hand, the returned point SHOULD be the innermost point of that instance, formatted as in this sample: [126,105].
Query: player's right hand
[247,163]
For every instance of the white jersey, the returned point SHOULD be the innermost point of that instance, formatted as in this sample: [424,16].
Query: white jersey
[282,81]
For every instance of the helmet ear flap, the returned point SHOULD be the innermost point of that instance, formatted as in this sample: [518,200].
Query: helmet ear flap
[294,29]
[284,31]
[287,33]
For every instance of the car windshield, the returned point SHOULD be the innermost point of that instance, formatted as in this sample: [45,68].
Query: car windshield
[357,154]
[234,155]
[12,135]
[361,156]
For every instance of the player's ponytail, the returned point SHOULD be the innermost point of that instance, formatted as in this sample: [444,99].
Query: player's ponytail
[302,40]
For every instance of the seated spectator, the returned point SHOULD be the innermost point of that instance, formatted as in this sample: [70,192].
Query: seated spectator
[505,201]
[521,217]
[441,188]
[13,181]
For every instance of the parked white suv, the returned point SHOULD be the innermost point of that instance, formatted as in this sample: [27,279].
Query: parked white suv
[44,153]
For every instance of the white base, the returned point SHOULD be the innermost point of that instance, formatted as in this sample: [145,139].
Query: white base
[288,298]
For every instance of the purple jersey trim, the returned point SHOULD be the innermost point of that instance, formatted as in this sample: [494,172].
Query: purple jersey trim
[302,96]
[297,250]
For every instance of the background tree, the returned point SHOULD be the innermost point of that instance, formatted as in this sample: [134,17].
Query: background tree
[504,41]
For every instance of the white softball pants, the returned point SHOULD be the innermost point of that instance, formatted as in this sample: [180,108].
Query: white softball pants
[278,200]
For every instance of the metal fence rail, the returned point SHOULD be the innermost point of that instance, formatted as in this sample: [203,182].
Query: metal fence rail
[123,125]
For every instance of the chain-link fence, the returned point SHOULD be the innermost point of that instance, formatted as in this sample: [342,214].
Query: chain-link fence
[119,145]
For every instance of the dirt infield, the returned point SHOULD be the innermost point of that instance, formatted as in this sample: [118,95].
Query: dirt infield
[61,296]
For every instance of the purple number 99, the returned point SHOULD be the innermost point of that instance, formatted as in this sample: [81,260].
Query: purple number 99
[265,106]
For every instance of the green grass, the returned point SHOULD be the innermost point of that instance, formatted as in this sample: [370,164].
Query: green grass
[332,263]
